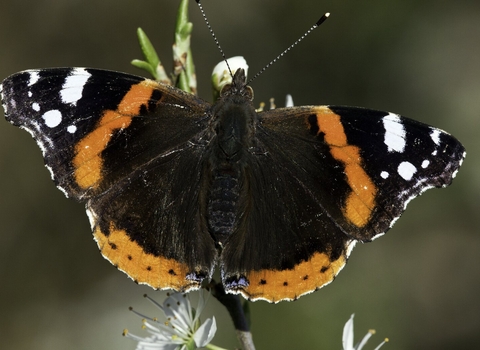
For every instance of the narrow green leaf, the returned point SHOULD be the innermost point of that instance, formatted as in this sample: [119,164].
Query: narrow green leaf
[182,15]
[144,65]
[147,48]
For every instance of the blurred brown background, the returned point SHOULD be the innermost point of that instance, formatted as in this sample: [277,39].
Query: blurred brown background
[419,285]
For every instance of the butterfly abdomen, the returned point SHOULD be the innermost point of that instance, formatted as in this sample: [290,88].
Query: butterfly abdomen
[223,204]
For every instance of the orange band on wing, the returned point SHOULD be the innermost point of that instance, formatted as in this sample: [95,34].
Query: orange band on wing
[88,161]
[306,277]
[361,201]
[128,256]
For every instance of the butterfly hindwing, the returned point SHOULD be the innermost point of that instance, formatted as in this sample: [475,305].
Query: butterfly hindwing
[297,190]
[287,245]
[149,224]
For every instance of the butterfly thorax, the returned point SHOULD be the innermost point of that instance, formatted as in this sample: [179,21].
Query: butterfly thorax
[233,125]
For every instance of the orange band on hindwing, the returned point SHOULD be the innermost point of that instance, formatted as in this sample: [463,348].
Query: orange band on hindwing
[306,277]
[156,271]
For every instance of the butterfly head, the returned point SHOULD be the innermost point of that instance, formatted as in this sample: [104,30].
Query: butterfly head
[238,86]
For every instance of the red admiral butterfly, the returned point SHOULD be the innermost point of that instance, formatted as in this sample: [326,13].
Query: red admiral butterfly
[174,186]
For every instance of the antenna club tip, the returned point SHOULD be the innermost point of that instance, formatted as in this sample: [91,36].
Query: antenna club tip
[323,19]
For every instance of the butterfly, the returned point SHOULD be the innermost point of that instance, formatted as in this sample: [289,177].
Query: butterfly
[175,186]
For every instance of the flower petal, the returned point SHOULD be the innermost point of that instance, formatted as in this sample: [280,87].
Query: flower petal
[202,302]
[152,343]
[205,333]
[289,101]
[347,338]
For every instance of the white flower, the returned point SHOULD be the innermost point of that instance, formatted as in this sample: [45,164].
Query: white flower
[221,76]
[289,101]
[347,338]
[182,329]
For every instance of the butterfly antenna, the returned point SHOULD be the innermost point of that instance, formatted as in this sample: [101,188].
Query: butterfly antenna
[213,35]
[320,21]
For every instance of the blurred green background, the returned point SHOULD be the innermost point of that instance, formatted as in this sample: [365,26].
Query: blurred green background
[419,285]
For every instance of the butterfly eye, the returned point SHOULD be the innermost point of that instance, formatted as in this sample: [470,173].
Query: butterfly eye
[225,90]
[248,92]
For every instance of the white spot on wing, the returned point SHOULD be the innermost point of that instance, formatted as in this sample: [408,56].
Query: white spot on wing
[52,118]
[92,217]
[33,78]
[52,176]
[35,106]
[71,129]
[454,174]
[73,87]
[394,221]
[425,163]
[406,170]
[435,135]
[394,133]
[350,246]
[384,175]
[63,190]
[378,235]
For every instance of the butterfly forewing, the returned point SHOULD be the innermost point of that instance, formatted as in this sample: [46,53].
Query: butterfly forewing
[372,163]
